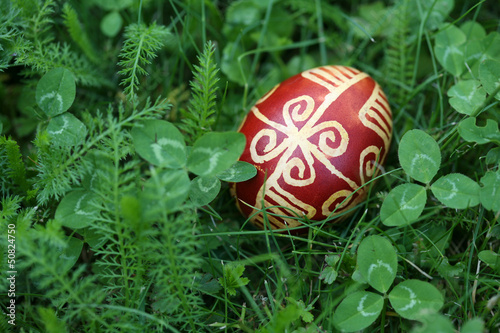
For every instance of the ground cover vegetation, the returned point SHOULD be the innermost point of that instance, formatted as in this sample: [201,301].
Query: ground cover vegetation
[113,221]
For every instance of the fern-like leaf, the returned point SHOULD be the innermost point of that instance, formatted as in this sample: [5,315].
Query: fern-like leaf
[60,55]
[141,257]
[10,206]
[114,181]
[329,11]
[199,119]
[174,270]
[39,254]
[14,166]
[145,254]
[140,47]
[5,183]
[77,33]
[35,49]
[10,34]
[50,320]
[399,56]
[40,22]
[60,168]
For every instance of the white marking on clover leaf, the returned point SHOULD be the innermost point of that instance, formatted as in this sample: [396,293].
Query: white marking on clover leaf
[379,264]
[413,300]
[464,98]
[64,127]
[212,159]
[94,177]
[64,256]
[231,173]
[404,204]
[454,190]
[451,50]
[493,193]
[420,157]
[157,147]
[170,142]
[79,211]
[55,95]
[472,93]
[207,189]
[361,308]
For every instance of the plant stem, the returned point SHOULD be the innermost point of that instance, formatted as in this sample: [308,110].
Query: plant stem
[382,319]
[140,13]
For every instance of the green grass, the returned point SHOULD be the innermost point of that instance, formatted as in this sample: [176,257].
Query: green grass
[141,259]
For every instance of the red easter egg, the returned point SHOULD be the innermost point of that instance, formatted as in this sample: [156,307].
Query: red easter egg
[315,139]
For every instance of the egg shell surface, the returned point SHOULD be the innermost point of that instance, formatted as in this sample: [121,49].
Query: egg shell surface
[315,139]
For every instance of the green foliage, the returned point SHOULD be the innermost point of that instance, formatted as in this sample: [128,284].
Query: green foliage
[420,158]
[111,24]
[160,143]
[13,168]
[491,259]
[465,95]
[55,92]
[173,291]
[377,263]
[489,71]
[449,49]
[168,187]
[39,251]
[232,278]
[10,206]
[10,33]
[138,50]
[400,58]
[419,155]
[204,189]
[290,315]
[411,298]
[358,310]
[39,21]
[199,118]
[456,191]
[403,205]
[438,323]
[76,210]
[77,33]
[215,152]
[50,321]
[60,167]
[66,130]
[329,274]
[36,48]
[238,172]
[119,200]
[489,194]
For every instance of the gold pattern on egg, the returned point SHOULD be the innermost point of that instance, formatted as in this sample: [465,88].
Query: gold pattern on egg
[374,115]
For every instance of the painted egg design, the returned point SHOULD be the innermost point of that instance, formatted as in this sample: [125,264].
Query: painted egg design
[315,139]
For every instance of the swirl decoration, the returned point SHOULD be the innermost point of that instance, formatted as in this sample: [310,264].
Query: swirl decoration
[295,111]
[340,200]
[298,172]
[302,140]
[368,163]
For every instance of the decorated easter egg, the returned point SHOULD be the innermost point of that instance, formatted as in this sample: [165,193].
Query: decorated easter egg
[315,139]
